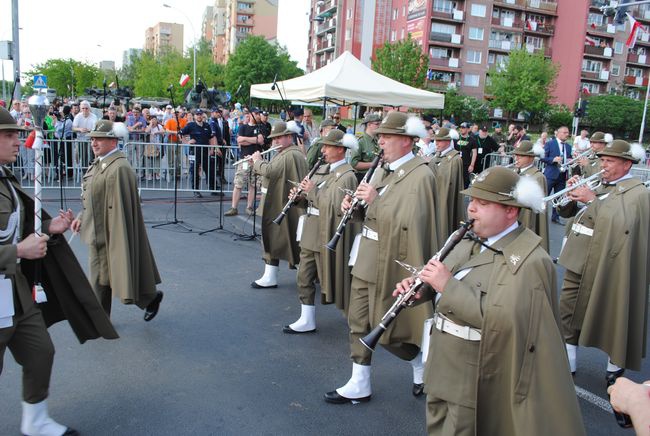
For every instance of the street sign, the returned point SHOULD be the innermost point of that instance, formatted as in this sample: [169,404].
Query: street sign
[40,82]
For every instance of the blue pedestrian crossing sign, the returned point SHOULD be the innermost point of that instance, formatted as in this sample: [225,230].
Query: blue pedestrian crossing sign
[40,81]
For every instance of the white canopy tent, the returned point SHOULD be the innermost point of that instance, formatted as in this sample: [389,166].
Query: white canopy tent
[347,81]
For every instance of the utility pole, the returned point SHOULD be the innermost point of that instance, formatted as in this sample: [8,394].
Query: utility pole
[16,47]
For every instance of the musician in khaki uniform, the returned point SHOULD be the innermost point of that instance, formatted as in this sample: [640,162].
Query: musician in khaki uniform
[323,195]
[362,157]
[399,224]
[447,166]
[279,241]
[591,164]
[525,156]
[495,355]
[604,298]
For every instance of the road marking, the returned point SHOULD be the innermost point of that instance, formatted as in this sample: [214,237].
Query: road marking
[593,399]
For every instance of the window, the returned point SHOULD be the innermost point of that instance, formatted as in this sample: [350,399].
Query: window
[443,6]
[348,14]
[473,57]
[395,13]
[402,34]
[403,11]
[595,19]
[440,76]
[393,35]
[476,33]
[447,29]
[591,66]
[348,34]
[593,88]
[471,80]
[439,53]
[534,41]
[478,11]
[634,72]
[618,47]
[616,70]
[634,93]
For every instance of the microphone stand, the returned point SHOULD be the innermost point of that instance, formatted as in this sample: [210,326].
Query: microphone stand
[175,221]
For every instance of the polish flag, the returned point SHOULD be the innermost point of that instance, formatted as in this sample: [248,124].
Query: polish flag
[528,25]
[635,27]
[590,41]
[184,79]
[585,91]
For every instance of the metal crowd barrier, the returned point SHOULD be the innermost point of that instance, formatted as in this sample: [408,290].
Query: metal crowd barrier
[155,164]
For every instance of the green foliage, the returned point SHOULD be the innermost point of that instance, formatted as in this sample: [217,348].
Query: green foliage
[465,108]
[558,116]
[403,61]
[68,76]
[257,61]
[524,84]
[615,114]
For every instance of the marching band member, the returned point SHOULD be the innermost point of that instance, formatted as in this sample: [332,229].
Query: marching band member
[604,296]
[400,225]
[591,164]
[324,193]
[279,241]
[494,358]
[525,163]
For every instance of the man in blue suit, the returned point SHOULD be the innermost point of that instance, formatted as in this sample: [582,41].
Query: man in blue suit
[556,152]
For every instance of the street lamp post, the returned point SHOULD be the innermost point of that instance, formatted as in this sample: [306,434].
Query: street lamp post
[193,35]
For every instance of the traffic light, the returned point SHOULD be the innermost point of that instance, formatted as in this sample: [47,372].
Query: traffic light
[584,107]
[577,113]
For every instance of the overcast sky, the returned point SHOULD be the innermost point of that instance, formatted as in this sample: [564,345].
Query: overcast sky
[94,30]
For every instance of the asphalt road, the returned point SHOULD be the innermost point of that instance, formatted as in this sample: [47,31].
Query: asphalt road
[215,361]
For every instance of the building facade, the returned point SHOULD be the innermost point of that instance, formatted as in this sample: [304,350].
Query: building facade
[228,22]
[164,36]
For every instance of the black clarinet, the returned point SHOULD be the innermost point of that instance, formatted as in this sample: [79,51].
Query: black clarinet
[292,200]
[355,203]
[406,299]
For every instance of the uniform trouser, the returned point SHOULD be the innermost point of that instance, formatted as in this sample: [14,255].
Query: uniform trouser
[362,299]
[31,346]
[449,419]
[568,299]
[310,269]
[556,185]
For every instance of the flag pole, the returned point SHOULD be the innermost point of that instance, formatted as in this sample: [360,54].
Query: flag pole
[645,109]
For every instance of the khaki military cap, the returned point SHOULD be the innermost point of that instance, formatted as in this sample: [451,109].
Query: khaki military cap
[442,135]
[371,118]
[495,184]
[624,150]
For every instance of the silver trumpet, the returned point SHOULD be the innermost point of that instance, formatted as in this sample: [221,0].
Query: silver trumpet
[241,161]
[573,163]
[561,198]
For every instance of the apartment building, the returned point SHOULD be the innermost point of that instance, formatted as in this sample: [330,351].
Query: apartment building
[228,22]
[164,36]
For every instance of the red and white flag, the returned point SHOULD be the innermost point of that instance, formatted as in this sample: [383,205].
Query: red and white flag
[585,91]
[635,27]
[590,41]
[184,79]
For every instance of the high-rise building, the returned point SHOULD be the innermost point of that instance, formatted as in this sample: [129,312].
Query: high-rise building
[164,36]
[107,65]
[231,21]
[128,54]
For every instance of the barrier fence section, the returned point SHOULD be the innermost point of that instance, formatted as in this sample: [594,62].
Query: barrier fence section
[199,168]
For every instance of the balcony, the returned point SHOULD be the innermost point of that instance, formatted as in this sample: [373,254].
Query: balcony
[443,62]
[532,49]
[455,15]
[249,23]
[642,15]
[451,38]
[246,11]
[547,6]
[542,28]
[503,44]
[327,9]
[597,76]
[592,50]
[608,29]
[643,38]
[516,4]
[635,81]
[507,22]
[324,46]
[325,26]
[638,59]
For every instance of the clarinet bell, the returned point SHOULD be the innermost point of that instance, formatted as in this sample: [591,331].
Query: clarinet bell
[278,219]
[371,340]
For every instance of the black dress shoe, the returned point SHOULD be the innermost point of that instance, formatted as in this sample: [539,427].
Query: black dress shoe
[152,308]
[611,376]
[256,286]
[70,432]
[418,389]
[288,330]
[334,398]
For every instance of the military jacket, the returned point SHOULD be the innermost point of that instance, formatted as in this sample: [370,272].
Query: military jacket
[367,151]
[448,170]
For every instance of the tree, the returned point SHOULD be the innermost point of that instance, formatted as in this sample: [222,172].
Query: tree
[255,60]
[464,107]
[558,116]
[68,76]
[524,84]
[402,61]
[615,114]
